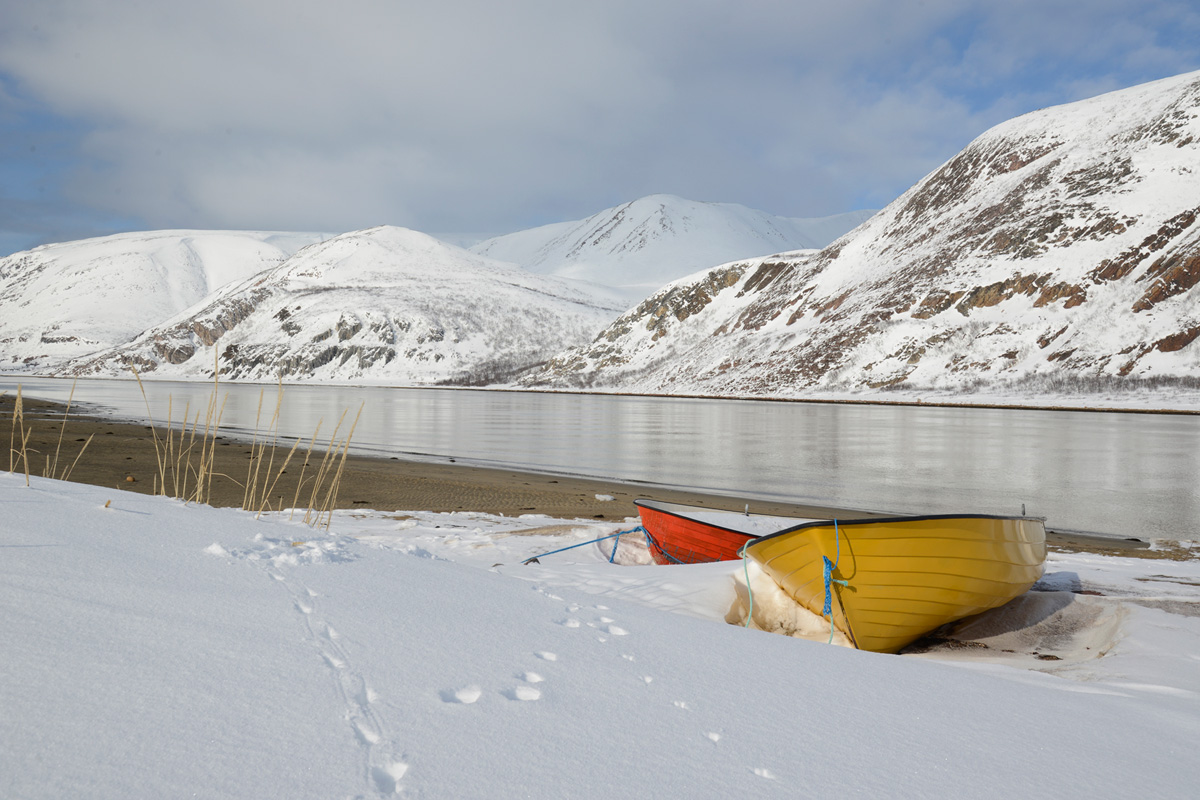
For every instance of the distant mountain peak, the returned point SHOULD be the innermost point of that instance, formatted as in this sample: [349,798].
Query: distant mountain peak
[642,244]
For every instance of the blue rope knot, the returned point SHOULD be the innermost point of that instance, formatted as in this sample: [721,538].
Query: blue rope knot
[617,541]
[830,566]
[827,611]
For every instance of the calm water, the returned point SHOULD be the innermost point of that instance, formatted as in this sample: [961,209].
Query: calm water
[1122,474]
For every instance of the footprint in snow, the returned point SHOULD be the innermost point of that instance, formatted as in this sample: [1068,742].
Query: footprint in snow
[365,732]
[546,655]
[764,773]
[464,696]
[531,677]
[570,623]
[713,736]
[523,693]
[387,778]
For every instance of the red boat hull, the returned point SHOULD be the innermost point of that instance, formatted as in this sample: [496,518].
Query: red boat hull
[679,540]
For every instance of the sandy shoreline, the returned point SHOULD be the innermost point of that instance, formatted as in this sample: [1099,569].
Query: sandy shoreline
[121,455]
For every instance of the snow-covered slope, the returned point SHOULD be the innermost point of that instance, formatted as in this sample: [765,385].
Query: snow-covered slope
[644,244]
[381,305]
[157,650]
[61,301]
[1059,247]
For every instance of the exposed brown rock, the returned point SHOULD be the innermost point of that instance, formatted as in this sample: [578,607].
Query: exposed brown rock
[1125,263]
[1075,295]
[1177,273]
[766,274]
[1178,341]
[935,303]
[1044,341]
[1061,355]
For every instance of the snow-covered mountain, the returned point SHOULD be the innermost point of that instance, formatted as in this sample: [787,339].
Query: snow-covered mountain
[1060,246]
[642,245]
[62,301]
[381,305]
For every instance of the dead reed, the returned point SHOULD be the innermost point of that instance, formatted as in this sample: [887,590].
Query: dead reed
[20,455]
[185,459]
[185,454]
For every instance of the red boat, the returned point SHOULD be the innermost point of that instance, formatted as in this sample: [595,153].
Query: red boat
[681,534]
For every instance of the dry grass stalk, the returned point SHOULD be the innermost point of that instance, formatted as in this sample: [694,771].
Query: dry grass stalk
[54,466]
[274,429]
[321,471]
[66,476]
[304,468]
[335,484]
[158,453]
[267,492]
[248,490]
[19,456]
[18,420]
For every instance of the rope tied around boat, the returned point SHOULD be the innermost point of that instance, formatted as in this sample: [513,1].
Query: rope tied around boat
[617,536]
[653,544]
[749,591]
[830,566]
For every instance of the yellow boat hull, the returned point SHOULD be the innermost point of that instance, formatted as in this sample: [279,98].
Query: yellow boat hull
[904,576]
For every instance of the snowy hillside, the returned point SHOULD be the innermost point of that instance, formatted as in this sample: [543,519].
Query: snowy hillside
[1059,248]
[643,245]
[385,305]
[61,301]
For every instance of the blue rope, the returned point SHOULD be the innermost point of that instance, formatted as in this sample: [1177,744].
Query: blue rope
[654,545]
[749,591]
[830,566]
[581,544]
[617,543]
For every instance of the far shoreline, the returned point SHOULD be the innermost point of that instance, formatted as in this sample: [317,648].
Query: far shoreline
[121,455]
[944,401]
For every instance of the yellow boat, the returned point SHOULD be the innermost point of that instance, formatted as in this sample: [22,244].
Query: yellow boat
[892,580]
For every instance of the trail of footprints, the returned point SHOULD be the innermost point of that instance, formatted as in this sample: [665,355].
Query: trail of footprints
[383,767]
[606,628]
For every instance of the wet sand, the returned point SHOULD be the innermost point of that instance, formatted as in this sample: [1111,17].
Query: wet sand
[122,456]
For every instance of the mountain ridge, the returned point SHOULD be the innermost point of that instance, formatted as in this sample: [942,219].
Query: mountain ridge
[381,305]
[1058,245]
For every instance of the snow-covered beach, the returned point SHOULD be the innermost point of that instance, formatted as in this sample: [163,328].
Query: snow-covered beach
[156,649]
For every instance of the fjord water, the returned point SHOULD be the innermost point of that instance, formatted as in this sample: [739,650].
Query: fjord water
[1123,474]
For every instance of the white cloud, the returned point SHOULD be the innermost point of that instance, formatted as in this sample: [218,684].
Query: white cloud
[479,115]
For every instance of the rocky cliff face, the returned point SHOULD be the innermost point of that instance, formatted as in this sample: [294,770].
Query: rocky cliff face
[1060,244]
[386,305]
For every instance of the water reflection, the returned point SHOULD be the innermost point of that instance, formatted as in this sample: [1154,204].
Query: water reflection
[1123,474]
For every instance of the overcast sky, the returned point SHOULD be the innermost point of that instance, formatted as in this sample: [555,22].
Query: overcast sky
[489,117]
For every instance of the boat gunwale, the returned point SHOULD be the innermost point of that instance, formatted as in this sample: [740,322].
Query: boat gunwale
[878,520]
[656,506]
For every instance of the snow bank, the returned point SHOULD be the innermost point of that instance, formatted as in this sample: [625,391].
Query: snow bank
[154,649]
